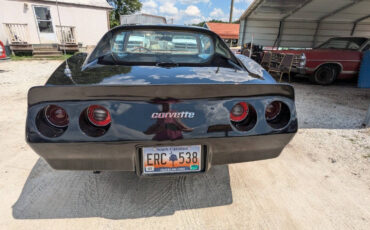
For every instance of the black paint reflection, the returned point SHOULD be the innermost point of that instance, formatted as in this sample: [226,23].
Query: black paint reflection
[220,128]
[167,128]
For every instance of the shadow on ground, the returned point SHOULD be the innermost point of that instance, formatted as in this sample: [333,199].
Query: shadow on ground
[117,195]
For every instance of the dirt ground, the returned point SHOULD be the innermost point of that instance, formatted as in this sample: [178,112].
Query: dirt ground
[321,180]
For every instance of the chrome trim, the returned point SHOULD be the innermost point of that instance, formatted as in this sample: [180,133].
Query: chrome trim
[349,72]
[341,72]
[336,60]
[337,63]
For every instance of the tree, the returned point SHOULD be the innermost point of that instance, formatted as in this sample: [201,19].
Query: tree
[122,7]
[173,158]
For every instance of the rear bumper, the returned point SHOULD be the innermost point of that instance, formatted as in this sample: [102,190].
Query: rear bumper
[124,156]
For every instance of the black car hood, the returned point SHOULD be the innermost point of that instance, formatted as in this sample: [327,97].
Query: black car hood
[149,75]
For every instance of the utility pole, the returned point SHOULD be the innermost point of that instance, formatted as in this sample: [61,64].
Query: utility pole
[231,11]
[231,18]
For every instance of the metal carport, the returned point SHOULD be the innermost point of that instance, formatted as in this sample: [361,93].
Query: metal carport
[303,23]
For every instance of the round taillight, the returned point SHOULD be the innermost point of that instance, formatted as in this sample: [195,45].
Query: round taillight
[273,110]
[56,116]
[239,112]
[98,115]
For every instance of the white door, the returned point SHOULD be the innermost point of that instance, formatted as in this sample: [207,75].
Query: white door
[45,25]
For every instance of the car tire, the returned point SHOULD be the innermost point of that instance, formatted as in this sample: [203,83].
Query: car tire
[325,75]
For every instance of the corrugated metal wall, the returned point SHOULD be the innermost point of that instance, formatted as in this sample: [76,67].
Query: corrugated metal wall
[298,34]
[304,23]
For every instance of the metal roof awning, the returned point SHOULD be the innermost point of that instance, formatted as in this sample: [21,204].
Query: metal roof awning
[303,23]
[224,30]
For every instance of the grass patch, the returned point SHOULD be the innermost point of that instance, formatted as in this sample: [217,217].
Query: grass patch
[30,58]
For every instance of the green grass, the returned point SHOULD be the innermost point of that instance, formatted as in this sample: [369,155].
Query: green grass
[25,58]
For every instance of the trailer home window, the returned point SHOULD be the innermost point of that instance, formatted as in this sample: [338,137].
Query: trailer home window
[43,18]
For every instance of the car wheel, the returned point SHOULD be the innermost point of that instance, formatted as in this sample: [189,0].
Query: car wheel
[325,75]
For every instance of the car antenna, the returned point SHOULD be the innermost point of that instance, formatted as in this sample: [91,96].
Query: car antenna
[67,70]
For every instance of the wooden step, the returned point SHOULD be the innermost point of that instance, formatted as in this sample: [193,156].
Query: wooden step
[21,47]
[47,53]
[69,47]
[40,46]
[45,49]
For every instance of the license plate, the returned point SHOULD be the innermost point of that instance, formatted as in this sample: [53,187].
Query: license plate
[173,159]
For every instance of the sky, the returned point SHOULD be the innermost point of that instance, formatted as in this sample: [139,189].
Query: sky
[194,11]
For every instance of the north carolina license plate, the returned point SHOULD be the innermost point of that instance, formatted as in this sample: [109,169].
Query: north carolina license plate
[172,159]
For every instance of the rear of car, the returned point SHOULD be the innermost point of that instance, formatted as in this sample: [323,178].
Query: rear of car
[159,100]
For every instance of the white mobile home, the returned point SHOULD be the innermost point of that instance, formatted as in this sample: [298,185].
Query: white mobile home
[142,19]
[29,23]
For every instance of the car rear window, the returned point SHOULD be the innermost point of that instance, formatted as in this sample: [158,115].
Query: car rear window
[157,46]
[343,43]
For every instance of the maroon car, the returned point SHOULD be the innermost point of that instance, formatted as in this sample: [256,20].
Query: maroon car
[338,58]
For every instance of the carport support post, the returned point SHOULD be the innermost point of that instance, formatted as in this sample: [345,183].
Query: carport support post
[316,34]
[353,28]
[354,2]
[278,38]
[244,32]
[356,22]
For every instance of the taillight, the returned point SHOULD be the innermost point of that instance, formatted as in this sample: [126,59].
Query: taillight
[95,120]
[98,115]
[56,116]
[243,116]
[273,110]
[239,112]
[277,114]
[52,121]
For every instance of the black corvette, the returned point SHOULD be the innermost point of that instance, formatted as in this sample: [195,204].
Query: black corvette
[159,100]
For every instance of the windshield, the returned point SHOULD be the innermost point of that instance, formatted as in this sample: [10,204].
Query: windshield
[145,46]
[343,43]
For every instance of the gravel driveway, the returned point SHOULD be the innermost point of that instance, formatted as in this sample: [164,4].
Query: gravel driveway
[321,180]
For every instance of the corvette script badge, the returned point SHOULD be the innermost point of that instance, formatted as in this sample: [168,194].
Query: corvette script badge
[173,115]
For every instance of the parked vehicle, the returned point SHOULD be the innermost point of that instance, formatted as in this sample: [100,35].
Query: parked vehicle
[338,58]
[159,107]
[2,52]
[257,51]
[236,49]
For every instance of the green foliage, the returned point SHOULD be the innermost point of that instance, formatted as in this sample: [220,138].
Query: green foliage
[30,58]
[122,7]
[201,24]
